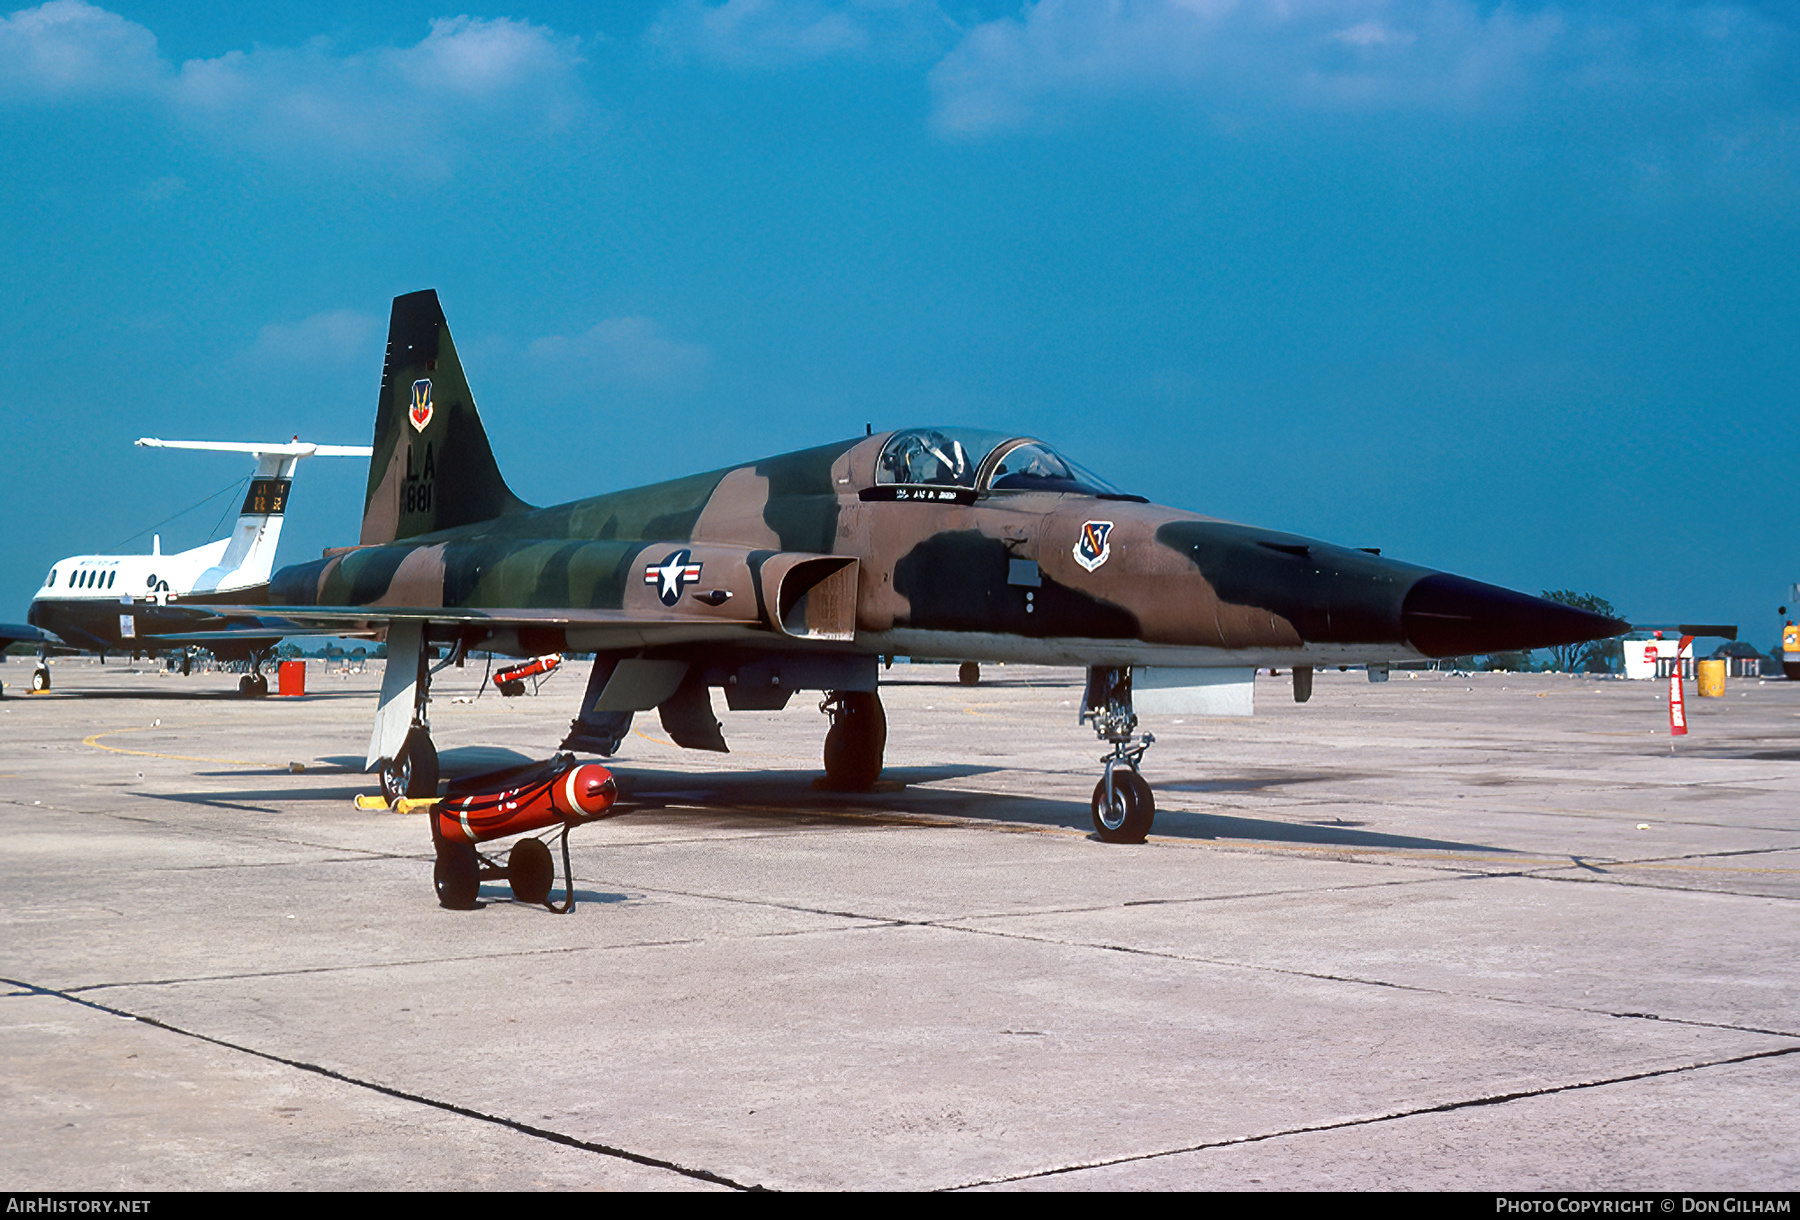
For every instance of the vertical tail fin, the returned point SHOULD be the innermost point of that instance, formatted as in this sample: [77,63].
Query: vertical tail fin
[250,554]
[433,468]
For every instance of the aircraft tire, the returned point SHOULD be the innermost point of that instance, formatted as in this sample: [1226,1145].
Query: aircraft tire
[1133,809]
[40,679]
[854,746]
[418,764]
[530,870]
[457,876]
[969,673]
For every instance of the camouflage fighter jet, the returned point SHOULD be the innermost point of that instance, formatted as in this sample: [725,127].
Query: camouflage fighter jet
[800,571]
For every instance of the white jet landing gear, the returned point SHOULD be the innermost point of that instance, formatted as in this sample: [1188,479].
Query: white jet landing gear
[255,684]
[40,677]
[1123,806]
[856,740]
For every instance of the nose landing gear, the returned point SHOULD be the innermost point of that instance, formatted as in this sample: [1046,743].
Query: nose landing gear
[1123,806]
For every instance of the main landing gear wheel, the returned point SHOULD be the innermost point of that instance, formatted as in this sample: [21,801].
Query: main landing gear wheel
[253,686]
[1127,817]
[858,735]
[530,870]
[969,673]
[40,679]
[414,772]
[457,875]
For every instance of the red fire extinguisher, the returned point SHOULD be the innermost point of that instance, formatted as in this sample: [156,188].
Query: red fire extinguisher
[564,793]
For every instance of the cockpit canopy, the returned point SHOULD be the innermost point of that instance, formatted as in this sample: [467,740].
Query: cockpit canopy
[982,461]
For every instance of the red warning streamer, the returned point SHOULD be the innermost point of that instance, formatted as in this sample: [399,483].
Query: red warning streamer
[1678,705]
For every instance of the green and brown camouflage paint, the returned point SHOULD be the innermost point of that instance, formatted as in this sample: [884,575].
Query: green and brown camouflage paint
[445,539]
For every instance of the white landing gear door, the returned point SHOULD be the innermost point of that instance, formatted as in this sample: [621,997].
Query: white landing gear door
[1161,690]
[399,690]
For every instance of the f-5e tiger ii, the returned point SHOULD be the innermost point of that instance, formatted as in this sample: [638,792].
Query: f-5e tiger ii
[800,571]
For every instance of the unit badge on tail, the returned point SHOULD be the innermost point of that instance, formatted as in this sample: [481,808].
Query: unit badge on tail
[672,576]
[421,405]
[1095,547]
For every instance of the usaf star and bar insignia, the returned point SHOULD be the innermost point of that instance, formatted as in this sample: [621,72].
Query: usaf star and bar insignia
[672,576]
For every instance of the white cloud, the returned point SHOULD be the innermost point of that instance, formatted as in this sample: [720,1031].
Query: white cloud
[632,351]
[784,33]
[67,48]
[1353,55]
[417,107]
[337,338]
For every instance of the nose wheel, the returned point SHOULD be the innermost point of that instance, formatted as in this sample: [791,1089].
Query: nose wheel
[1123,805]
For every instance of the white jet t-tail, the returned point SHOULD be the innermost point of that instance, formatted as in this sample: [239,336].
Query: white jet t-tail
[99,602]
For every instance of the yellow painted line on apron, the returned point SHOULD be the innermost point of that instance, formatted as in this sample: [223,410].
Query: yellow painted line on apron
[94,742]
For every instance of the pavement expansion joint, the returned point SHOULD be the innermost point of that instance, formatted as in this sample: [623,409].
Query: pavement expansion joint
[1550,875]
[1355,980]
[1492,1099]
[543,1133]
[350,966]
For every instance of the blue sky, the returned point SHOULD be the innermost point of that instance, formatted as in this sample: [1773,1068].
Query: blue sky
[1509,290]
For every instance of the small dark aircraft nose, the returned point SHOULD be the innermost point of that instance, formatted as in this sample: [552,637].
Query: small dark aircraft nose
[1451,616]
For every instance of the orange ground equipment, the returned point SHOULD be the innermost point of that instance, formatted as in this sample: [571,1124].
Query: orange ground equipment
[511,680]
[560,792]
[290,678]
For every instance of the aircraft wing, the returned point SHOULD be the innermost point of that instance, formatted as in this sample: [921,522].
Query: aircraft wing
[268,631]
[17,633]
[594,628]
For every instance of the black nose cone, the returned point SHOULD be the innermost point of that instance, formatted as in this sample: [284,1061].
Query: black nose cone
[1449,616]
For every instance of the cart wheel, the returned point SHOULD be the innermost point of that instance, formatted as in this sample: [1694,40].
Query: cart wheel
[457,876]
[530,870]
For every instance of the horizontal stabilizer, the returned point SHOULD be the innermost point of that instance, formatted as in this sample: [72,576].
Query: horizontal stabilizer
[294,448]
[1727,631]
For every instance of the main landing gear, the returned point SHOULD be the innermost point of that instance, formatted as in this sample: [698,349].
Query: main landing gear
[1123,806]
[856,740]
[40,678]
[412,770]
[255,684]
